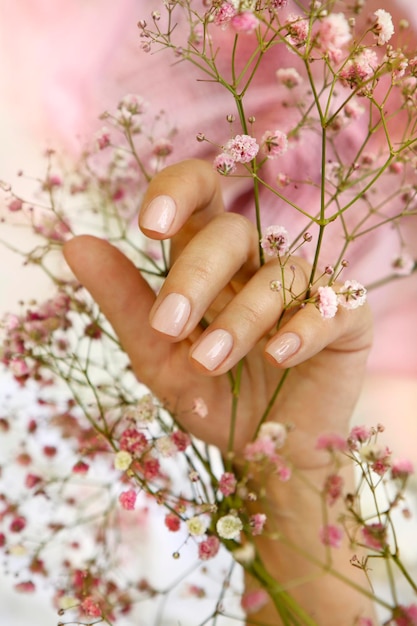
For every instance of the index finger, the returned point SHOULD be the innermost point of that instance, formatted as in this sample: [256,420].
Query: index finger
[180,201]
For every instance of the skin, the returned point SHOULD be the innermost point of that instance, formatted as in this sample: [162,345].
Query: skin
[215,265]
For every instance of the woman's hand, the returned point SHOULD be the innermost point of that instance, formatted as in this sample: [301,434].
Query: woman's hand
[215,275]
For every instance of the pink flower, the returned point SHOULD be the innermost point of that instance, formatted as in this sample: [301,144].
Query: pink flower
[224,164]
[359,69]
[331,535]
[359,434]
[374,535]
[15,205]
[253,601]
[224,14]
[181,440]
[274,143]
[103,138]
[352,295]
[275,241]
[289,77]
[326,302]
[333,487]
[128,499]
[257,523]
[332,442]
[17,524]
[91,607]
[297,28]
[25,587]
[333,34]
[80,467]
[405,615]
[133,441]
[208,548]
[242,148]
[259,450]
[384,28]
[245,22]
[227,483]
[402,468]
[172,522]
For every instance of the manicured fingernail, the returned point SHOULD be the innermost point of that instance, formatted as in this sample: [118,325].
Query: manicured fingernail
[213,349]
[172,315]
[159,214]
[284,347]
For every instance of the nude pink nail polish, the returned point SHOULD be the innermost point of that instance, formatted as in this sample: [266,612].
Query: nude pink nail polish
[159,214]
[285,346]
[213,349]
[172,315]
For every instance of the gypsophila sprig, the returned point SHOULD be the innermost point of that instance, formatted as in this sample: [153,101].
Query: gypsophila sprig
[327,156]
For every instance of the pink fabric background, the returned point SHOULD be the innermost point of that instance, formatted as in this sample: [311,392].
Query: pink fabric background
[69,61]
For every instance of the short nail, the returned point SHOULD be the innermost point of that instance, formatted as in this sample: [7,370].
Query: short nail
[284,347]
[172,315]
[159,214]
[213,349]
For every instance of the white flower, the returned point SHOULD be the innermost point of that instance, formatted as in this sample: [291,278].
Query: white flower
[229,527]
[197,525]
[352,294]
[245,555]
[122,460]
[384,27]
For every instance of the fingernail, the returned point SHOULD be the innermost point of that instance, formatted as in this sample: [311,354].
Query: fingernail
[159,214]
[213,349]
[172,315]
[284,347]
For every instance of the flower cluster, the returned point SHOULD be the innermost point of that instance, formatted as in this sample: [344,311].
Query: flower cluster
[101,451]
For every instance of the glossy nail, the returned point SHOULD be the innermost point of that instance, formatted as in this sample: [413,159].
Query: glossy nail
[159,214]
[213,349]
[284,347]
[172,315]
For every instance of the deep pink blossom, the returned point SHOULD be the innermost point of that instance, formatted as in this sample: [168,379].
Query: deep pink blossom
[374,535]
[332,442]
[405,615]
[172,522]
[227,483]
[128,499]
[26,586]
[181,440]
[331,535]
[90,607]
[257,523]
[133,441]
[333,488]
[253,601]
[208,548]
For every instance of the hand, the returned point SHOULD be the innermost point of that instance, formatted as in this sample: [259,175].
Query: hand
[215,275]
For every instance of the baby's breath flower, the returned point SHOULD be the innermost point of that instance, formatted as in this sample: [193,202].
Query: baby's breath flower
[122,460]
[404,264]
[384,28]
[242,148]
[326,302]
[289,77]
[274,143]
[224,163]
[229,527]
[352,295]
[275,242]
[245,554]
[197,525]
